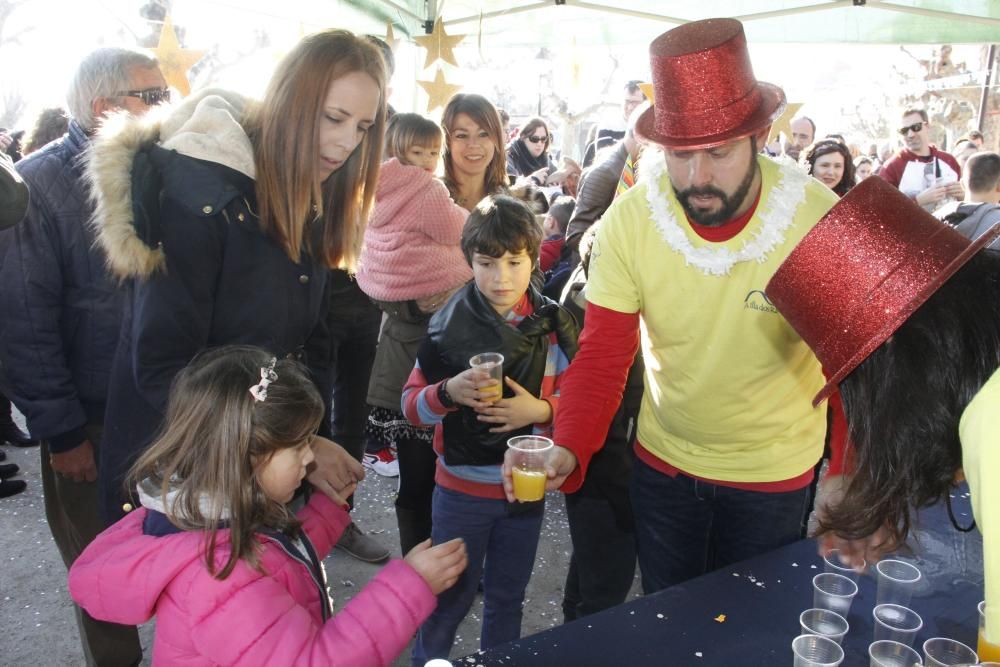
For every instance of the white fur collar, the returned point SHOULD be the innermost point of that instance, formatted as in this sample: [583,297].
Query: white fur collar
[205,126]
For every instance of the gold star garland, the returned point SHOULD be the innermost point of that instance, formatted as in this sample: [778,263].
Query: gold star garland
[175,61]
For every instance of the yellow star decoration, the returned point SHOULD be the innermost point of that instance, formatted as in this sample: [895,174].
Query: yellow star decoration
[438,91]
[783,123]
[647,90]
[439,45]
[175,61]
[390,37]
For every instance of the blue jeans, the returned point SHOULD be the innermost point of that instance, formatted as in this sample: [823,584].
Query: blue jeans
[686,527]
[501,541]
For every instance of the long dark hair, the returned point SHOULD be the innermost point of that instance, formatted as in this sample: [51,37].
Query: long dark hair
[824,147]
[904,402]
[214,438]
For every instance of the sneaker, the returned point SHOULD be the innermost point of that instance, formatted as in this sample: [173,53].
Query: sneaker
[8,470]
[10,487]
[382,462]
[361,546]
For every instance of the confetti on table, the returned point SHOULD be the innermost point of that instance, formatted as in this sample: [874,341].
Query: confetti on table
[795,564]
[697,654]
[659,615]
[721,618]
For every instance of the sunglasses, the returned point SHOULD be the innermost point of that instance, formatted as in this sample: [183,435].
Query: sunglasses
[538,140]
[149,96]
[916,127]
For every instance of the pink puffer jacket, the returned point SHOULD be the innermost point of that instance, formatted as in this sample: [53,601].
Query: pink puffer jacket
[250,618]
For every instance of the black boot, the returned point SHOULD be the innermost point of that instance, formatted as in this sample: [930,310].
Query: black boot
[8,470]
[10,487]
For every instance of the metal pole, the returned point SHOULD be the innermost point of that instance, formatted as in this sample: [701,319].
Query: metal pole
[985,96]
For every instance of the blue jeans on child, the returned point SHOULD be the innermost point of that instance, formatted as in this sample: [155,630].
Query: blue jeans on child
[686,527]
[501,537]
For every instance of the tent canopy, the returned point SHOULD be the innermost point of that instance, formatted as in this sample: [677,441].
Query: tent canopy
[621,22]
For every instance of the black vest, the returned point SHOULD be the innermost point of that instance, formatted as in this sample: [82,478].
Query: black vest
[467,326]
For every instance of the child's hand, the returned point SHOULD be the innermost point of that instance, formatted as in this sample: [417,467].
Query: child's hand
[464,388]
[440,565]
[520,410]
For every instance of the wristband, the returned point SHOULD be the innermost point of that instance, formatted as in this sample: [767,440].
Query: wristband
[443,395]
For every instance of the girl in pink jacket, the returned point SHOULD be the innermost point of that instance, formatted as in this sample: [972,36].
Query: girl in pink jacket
[226,550]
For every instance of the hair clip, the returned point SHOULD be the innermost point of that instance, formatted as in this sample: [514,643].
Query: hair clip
[267,376]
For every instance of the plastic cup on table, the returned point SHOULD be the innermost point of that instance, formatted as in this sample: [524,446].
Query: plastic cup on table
[896,623]
[885,653]
[492,363]
[816,651]
[824,623]
[833,565]
[834,592]
[897,580]
[530,454]
[985,650]
[942,652]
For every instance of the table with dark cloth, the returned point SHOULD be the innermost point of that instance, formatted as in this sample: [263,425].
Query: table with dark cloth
[760,600]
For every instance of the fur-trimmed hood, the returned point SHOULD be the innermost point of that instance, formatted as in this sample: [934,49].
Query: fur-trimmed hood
[206,126]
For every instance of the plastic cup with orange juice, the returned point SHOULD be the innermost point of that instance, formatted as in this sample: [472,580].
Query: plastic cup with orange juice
[492,363]
[986,650]
[530,453]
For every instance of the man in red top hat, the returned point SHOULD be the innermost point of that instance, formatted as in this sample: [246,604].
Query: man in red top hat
[727,437]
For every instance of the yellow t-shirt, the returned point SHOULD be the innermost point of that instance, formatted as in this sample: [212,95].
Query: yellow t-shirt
[979,431]
[729,384]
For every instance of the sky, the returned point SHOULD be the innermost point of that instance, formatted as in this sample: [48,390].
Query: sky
[826,78]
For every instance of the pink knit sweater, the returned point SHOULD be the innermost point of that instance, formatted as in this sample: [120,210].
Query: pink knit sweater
[411,248]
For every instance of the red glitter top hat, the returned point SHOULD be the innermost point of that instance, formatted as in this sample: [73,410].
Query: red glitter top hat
[865,267]
[704,89]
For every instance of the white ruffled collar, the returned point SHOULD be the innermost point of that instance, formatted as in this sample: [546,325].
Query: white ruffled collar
[776,215]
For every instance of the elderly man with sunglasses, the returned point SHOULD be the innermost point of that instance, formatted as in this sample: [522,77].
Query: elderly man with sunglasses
[921,171]
[61,313]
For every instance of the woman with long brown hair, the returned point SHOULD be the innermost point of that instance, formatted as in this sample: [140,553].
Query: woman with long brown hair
[474,159]
[224,217]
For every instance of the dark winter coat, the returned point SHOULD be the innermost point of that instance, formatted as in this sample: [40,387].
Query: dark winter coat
[183,234]
[61,310]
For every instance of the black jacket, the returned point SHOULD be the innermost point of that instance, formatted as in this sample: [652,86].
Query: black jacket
[468,325]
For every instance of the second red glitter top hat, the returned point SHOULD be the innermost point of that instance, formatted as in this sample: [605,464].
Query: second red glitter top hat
[865,267]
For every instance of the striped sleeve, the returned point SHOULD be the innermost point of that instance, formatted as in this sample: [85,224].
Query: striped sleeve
[420,402]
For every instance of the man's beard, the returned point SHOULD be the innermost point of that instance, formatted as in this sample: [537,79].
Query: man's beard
[729,204]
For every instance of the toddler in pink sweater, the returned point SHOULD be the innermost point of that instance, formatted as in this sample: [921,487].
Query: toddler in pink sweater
[226,550]
[411,244]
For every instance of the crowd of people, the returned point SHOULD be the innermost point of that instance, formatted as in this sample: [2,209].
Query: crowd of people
[218,313]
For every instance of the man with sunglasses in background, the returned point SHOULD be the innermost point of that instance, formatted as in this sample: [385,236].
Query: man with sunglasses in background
[922,172]
[60,313]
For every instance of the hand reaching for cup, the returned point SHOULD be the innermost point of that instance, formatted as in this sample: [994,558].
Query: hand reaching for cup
[439,565]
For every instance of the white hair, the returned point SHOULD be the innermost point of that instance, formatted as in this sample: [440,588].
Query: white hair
[103,73]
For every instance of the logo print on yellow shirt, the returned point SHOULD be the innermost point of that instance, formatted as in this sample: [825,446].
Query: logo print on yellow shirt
[757,300]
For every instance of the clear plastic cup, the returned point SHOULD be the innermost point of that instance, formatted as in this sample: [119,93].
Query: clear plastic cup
[985,650]
[832,564]
[897,580]
[942,652]
[834,592]
[824,623]
[896,623]
[816,651]
[530,454]
[892,654]
[492,363]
